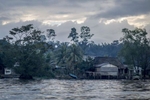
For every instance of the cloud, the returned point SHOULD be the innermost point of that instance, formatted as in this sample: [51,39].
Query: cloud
[106,18]
[101,31]
[22,10]
[66,10]
[126,8]
[4,18]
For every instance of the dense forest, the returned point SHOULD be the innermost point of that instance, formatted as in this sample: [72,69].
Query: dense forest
[31,52]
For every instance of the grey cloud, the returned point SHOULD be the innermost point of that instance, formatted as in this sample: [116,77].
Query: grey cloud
[120,9]
[16,3]
[45,9]
[64,12]
[102,32]
[126,8]
[4,18]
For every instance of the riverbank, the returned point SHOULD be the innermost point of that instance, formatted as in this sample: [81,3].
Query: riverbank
[9,76]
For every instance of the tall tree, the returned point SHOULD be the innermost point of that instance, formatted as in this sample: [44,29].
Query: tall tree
[28,49]
[6,55]
[73,35]
[85,36]
[51,34]
[136,48]
[75,57]
[61,54]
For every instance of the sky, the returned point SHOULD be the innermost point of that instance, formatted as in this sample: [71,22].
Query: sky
[105,18]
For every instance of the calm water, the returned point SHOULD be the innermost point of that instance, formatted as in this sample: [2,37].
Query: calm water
[13,89]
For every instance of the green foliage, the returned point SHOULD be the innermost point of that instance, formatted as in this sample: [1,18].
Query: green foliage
[29,50]
[104,49]
[136,48]
[37,57]
[75,56]
[51,34]
[68,56]
[73,35]
[6,55]
[85,34]
[85,65]
[62,54]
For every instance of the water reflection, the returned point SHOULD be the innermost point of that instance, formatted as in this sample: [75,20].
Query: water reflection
[14,89]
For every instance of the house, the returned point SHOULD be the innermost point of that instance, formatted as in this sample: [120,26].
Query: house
[128,72]
[133,71]
[7,71]
[107,67]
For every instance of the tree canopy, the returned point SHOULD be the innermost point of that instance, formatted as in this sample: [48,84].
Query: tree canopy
[136,48]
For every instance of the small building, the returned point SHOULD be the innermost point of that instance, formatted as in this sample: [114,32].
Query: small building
[106,67]
[132,71]
[7,71]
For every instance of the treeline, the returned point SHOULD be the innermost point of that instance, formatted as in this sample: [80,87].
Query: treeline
[32,53]
[104,49]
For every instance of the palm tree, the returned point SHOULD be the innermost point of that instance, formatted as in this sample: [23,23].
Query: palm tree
[75,56]
[61,54]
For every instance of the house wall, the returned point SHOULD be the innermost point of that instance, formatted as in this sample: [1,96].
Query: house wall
[108,69]
[106,73]
[113,73]
[98,69]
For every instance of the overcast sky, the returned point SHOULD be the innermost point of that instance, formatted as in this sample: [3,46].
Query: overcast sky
[106,18]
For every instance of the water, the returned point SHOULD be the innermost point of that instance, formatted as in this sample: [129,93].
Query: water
[14,89]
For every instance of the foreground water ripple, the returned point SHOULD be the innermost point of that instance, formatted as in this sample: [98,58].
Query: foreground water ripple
[14,89]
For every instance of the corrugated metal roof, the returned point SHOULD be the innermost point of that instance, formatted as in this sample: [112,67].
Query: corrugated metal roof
[105,60]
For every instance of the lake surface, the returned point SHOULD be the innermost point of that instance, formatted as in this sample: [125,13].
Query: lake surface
[14,89]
